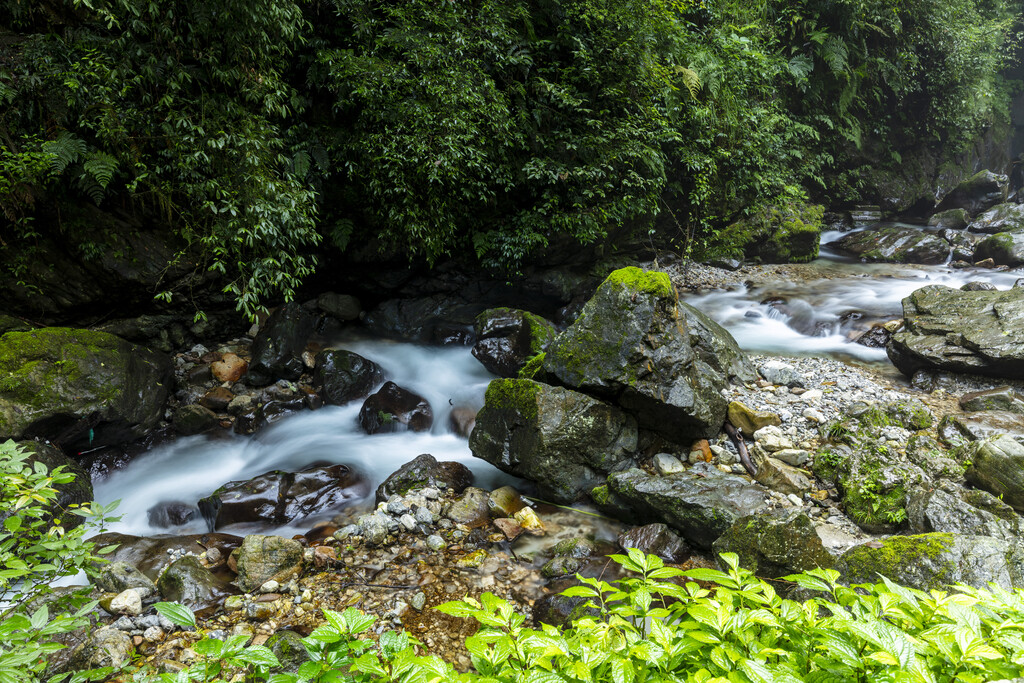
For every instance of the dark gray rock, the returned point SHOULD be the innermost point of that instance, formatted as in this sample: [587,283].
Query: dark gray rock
[701,503]
[120,576]
[973,513]
[422,472]
[775,543]
[997,466]
[1002,218]
[565,441]
[345,376]
[193,419]
[895,245]
[394,409]
[1004,248]
[341,306]
[507,338]
[187,581]
[715,347]
[278,346]
[971,332]
[978,193]
[953,219]
[655,539]
[1000,398]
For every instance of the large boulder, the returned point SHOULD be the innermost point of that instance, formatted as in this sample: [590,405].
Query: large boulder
[281,497]
[958,428]
[508,337]
[424,471]
[775,234]
[978,193]
[120,576]
[565,441]
[78,388]
[997,466]
[716,347]
[936,561]
[978,332]
[187,581]
[895,245]
[952,219]
[345,376]
[775,543]
[1004,248]
[278,346]
[1001,398]
[701,503]
[262,558]
[394,409]
[966,512]
[1003,218]
[631,345]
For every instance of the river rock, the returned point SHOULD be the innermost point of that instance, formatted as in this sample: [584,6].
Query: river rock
[1002,218]
[281,497]
[343,307]
[631,344]
[997,466]
[187,581]
[217,399]
[952,219]
[778,476]
[288,648]
[716,347]
[961,243]
[780,374]
[194,419]
[748,420]
[700,503]
[278,346]
[462,420]
[78,388]
[775,543]
[105,647]
[972,332]
[169,513]
[425,471]
[955,429]
[117,577]
[895,245]
[973,513]
[508,337]
[978,193]
[262,558]
[76,492]
[1001,398]
[229,368]
[1004,248]
[565,441]
[504,502]
[392,409]
[345,376]
[777,233]
[127,602]
[655,539]
[470,508]
[935,561]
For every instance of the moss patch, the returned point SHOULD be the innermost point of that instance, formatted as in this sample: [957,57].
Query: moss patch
[518,395]
[774,234]
[648,282]
[897,552]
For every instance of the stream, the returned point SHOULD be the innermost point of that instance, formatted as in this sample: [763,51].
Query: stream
[813,317]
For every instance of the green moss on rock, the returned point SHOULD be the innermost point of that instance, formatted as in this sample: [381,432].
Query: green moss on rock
[774,234]
[648,282]
[518,395]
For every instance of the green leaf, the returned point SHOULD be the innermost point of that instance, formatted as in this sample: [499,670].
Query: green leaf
[177,614]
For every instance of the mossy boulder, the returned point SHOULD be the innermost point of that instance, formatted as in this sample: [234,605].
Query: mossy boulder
[962,511]
[715,347]
[935,561]
[997,466]
[979,332]
[978,193]
[507,338]
[1002,218]
[187,581]
[1001,398]
[953,219]
[1004,248]
[700,503]
[631,345]
[565,441]
[79,388]
[775,543]
[424,470]
[262,558]
[344,376]
[895,245]
[774,234]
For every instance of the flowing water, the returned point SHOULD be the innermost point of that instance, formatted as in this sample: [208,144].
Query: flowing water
[190,468]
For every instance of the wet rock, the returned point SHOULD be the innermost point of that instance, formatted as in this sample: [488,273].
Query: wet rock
[262,558]
[194,419]
[778,476]
[280,497]
[461,420]
[749,421]
[666,463]
[288,648]
[425,471]
[127,602]
[655,539]
[875,338]
[217,399]
[775,543]
[700,503]
[562,565]
[152,554]
[956,429]
[716,347]
[167,514]
[978,193]
[1002,218]
[952,219]
[780,374]
[778,233]
[1001,398]
[78,388]
[117,577]
[559,610]
[278,346]
[976,286]
[563,440]
[529,521]
[895,245]
[932,457]
[961,244]
[345,376]
[374,528]
[105,647]
[997,466]
[971,332]
[470,508]
[340,306]
[510,528]
[230,368]
[507,338]
[973,513]
[935,561]
[1002,249]
[504,502]
[187,581]
[631,344]
[394,409]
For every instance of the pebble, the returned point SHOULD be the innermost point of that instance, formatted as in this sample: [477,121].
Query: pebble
[815,415]
[668,464]
[154,634]
[419,601]
[127,602]
[435,542]
[795,500]
[408,521]
[270,587]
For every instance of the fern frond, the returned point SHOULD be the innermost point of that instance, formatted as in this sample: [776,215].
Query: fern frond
[88,185]
[65,150]
[690,79]
[835,53]
[101,166]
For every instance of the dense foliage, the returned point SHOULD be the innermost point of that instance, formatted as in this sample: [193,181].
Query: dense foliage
[256,131]
[35,551]
[646,628]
